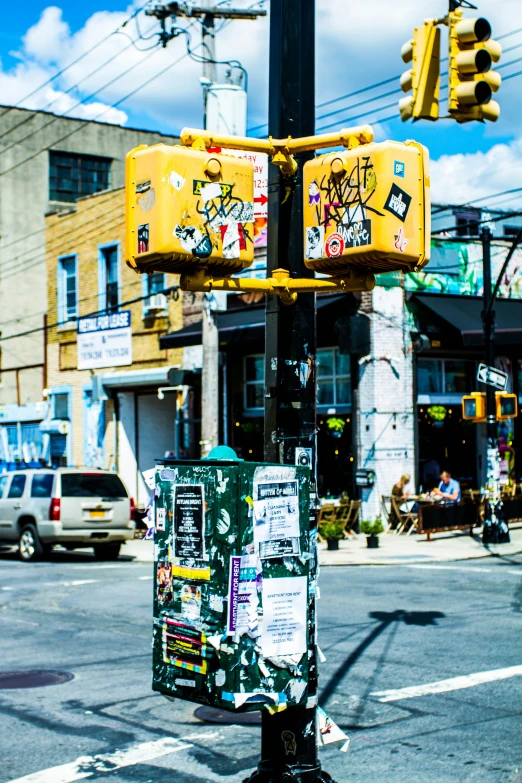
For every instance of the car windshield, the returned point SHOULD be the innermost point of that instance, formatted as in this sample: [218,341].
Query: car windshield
[89,485]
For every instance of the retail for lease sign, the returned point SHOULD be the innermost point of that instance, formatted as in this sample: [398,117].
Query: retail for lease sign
[105,340]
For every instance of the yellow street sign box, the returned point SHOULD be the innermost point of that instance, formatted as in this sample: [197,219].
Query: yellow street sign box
[188,209]
[368,207]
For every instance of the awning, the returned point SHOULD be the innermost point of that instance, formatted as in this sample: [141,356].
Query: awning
[132,379]
[234,325]
[464,313]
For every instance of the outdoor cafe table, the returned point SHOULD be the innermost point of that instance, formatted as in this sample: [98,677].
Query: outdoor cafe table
[436,516]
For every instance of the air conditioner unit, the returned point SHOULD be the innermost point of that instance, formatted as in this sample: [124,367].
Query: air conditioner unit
[157,302]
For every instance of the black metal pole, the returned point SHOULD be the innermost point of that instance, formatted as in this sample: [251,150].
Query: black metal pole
[290,352]
[495,530]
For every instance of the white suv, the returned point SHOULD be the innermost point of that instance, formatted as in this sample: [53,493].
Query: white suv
[72,507]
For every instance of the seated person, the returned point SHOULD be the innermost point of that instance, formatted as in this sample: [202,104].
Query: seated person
[399,489]
[448,489]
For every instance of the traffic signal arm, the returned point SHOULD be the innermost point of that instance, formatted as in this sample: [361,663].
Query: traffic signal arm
[347,137]
[280,284]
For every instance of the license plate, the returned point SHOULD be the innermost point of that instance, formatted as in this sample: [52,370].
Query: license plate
[97,514]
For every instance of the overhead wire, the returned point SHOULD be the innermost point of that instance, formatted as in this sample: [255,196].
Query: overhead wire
[74,62]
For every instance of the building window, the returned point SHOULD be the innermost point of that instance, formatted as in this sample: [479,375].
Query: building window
[67,293]
[468,222]
[254,381]
[511,231]
[61,405]
[449,376]
[333,378]
[109,274]
[153,285]
[72,176]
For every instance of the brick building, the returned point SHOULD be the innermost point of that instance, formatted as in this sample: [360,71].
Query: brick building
[114,417]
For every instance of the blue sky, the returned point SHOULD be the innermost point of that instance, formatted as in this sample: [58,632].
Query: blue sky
[352,52]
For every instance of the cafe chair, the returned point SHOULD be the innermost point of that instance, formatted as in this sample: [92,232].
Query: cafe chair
[326,514]
[407,520]
[351,511]
[387,512]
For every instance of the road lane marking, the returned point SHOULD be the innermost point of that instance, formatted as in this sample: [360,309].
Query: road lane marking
[452,568]
[453,684]
[143,578]
[87,766]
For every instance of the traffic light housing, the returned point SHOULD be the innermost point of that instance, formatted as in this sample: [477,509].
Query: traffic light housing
[188,209]
[423,51]
[507,405]
[474,407]
[367,208]
[471,80]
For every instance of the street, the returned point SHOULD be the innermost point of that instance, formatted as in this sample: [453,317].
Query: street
[381,628]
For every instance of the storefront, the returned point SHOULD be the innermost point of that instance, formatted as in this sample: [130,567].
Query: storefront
[445,369]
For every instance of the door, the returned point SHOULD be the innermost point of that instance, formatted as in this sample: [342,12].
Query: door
[11,503]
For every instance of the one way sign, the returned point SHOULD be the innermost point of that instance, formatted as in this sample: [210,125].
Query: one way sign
[492,377]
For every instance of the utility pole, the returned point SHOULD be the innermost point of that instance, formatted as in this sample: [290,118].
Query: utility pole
[290,351]
[208,12]
[495,530]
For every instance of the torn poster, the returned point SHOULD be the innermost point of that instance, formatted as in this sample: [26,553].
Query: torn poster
[276,510]
[283,630]
[329,731]
[164,581]
[242,595]
[189,520]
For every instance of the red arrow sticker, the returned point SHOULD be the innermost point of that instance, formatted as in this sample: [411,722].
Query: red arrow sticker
[334,245]
[262,199]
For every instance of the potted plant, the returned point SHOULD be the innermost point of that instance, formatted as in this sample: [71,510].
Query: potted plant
[332,530]
[372,530]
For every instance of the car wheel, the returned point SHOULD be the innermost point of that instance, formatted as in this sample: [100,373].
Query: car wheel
[107,551]
[29,545]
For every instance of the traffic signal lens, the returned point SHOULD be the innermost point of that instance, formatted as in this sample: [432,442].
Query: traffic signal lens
[508,406]
[473,93]
[470,409]
[473,61]
[473,30]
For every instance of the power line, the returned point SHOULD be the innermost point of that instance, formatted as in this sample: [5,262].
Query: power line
[107,108]
[74,62]
[165,291]
[78,103]
[66,92]
[385,82]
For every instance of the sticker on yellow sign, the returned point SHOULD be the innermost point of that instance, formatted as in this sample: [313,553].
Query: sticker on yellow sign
[356,216]
[188,208]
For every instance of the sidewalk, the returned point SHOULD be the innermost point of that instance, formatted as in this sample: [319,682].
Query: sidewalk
[393,550]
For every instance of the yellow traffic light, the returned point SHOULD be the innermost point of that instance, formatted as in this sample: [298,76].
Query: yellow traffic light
[367,207]
[471,80]
[507,405]
[474,407]
[423,51]
[188,209]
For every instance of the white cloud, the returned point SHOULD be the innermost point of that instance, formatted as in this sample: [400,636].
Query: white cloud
[462,178]
[44,40]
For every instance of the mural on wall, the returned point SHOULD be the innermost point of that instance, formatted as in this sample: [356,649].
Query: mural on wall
[456,268]
[94,426]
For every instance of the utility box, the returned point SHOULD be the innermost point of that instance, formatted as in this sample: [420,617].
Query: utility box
[233,559]
[368,207]
[188,209]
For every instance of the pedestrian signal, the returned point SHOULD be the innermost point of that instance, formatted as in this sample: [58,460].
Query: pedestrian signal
[368,207]
[507,406]
[423,51]
[188,209]
[471,80]
[474,407]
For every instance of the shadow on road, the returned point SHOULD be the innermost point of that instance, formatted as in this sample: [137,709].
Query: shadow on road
[383,620]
